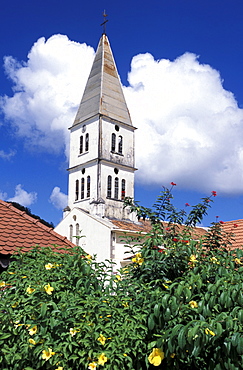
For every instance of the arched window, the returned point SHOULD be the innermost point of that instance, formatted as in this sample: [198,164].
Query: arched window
[87,142]
[76,190]
[116,188]
[109,179]
[81,145]
[123,189]
[71,233]
[120,144]
[113,142]
[82,188]
[88,186]
[77,234]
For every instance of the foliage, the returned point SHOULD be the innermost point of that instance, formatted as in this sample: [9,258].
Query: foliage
[178,305]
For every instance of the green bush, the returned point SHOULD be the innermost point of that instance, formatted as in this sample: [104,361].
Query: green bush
[178,305]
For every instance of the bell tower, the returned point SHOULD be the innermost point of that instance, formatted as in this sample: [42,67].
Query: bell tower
[101,167]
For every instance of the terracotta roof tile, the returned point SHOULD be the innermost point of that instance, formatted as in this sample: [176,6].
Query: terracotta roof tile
[19,230]
[145,227]
[236,228]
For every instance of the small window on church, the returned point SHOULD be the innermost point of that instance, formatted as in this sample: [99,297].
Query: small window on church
[116,188]
[88,186]
[109,179]
[120,144]
[81,145]
[71,233]
[113,142]
[87,142]
[77,234]
[123,190]
[76,190]
[82,188]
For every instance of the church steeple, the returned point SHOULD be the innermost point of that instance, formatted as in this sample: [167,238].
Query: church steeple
[101,164]
[103,92]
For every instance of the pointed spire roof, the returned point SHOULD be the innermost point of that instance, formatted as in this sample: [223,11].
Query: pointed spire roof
[103,92]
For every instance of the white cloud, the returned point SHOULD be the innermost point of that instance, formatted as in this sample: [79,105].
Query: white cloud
[5,155]
[23,197]
[58,199]
[47,90]
[3,195]
[189,126]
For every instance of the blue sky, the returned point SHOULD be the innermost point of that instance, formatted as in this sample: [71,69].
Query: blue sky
[184,92]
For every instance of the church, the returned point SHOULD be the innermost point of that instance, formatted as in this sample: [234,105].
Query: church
[101,168]
[101,165]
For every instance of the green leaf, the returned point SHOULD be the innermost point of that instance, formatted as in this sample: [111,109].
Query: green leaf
[151,323]
[157,310]
[239,347]
[182,338]
[43,309]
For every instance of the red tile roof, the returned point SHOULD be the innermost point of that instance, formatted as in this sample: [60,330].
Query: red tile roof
[235,228]
[19,230]
[145,226]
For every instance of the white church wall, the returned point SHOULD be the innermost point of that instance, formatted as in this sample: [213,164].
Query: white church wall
[88,170]
[95,234]
[89,127]
[127,134]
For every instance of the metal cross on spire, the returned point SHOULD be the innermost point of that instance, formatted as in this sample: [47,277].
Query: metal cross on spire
[104,23]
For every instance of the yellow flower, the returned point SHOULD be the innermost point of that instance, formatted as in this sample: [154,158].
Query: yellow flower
[172,355]
[92,366]
[49,266]
[125,304]
[102,359]
[89,257]
[102,339]
[166,286]
[59,368]
[138,259]
[214,260]
[193,304]
[11,273]
[48,289]
[193,260]
[2,284]
[32,341]
[46,354]
[125,270]
[17,324]
[118,278]
[156,357]
[124,354]
[238,261]
[24,277]
[30,290]
[208,331]
[108,315]
[33,330]
[15,305]
[73,331]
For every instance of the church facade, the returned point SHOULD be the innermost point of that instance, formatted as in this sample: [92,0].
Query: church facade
[102,164]
[101,169]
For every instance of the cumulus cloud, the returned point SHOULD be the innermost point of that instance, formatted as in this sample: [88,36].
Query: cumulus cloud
[189,126]
[58,199]
[47,90]
[23,197]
